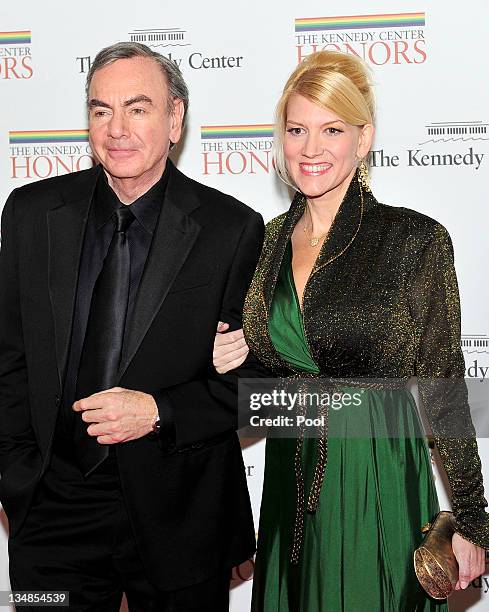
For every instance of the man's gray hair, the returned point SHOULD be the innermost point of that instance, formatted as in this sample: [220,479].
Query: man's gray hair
[177,88]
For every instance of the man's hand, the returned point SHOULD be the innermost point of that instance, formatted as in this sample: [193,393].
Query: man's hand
[118,415]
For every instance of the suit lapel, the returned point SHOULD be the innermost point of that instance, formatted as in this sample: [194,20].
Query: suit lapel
[173,240]
[66,229]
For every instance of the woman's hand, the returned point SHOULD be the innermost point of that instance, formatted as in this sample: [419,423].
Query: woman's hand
[471,561]
[230,350]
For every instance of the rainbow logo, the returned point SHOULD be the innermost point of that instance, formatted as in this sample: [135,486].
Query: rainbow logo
[20,37]
[236,131]
[357,22]
[41,136]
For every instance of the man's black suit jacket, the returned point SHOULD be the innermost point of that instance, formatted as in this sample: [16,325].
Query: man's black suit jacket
[185,491]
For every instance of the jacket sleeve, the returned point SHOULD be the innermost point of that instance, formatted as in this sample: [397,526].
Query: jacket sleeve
[201,409]
[440,370]
[16,433]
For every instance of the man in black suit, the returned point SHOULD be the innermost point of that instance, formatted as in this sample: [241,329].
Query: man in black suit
[120,465]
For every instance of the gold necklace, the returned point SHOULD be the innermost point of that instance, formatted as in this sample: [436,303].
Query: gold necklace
[313,240]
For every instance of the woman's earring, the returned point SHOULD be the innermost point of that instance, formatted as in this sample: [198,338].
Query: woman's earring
[363,175]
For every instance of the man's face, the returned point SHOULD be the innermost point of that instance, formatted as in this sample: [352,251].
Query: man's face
[130,126]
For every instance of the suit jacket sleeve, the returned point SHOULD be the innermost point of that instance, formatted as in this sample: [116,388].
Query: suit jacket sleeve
[201,409]
[440,370]
[16,433]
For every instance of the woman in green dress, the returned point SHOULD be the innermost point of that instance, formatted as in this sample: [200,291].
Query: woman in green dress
[350,289]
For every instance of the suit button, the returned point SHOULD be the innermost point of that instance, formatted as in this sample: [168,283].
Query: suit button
[57,400]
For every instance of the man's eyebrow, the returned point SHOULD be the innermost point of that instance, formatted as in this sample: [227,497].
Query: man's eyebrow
[94,102]
[137,100]
[134,100]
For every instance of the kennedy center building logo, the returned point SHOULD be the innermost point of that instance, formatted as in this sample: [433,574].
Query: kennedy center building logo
[446,131]
[15,55]
[237,149]
[160,37]
[378,39]
[45,153]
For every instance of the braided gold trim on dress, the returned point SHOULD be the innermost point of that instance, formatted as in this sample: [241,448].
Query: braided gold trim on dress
[320,469]
[300,487]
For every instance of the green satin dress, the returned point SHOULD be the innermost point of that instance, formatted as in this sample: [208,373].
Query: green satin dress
[357,552]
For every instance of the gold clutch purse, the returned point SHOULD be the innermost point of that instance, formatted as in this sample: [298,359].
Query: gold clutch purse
[434,562]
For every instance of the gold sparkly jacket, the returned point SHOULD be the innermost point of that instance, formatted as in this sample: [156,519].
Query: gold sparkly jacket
[382,302]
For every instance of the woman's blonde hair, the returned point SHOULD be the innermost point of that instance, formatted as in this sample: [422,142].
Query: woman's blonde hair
[336,81]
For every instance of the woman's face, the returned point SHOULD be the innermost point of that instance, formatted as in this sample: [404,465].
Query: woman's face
[321,150]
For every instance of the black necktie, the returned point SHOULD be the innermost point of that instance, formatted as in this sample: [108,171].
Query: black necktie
[102,346]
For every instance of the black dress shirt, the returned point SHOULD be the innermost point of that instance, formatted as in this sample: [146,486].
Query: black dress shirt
[99,231]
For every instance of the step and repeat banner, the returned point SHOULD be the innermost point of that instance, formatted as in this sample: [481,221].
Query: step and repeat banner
[430,152]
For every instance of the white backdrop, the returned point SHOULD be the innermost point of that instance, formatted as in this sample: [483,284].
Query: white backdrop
[430,153]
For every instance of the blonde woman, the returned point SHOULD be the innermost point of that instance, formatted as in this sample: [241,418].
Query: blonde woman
[348,288]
